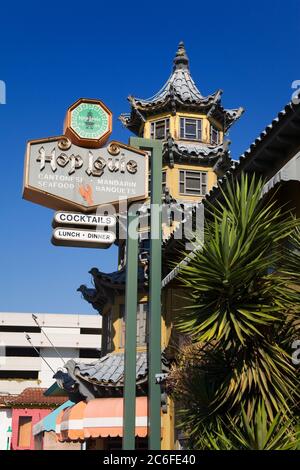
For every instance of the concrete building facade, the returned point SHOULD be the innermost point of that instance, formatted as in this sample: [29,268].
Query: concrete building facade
[21,366]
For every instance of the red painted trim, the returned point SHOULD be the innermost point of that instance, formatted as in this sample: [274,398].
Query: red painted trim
[36,415]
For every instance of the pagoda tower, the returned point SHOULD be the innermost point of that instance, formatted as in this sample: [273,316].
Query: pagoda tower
[195,154]
[192,127]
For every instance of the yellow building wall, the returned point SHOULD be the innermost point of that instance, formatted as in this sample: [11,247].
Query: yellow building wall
[168,418]
[168,426]
[175,126]
[172,174]
[172,301]
[117,322]
[172,180]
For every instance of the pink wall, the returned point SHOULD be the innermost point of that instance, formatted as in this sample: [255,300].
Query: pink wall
[36,413]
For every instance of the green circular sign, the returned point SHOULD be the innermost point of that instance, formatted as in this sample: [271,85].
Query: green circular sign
[89,121]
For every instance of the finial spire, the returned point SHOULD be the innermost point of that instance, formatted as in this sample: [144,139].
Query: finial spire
[181,60]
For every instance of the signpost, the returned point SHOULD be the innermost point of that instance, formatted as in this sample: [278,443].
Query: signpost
[79,171]
[154,403]
[131,297]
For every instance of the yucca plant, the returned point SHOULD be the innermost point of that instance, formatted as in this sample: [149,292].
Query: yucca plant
[259,433]
[241,314]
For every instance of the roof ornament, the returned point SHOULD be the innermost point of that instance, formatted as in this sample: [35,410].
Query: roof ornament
[181,60]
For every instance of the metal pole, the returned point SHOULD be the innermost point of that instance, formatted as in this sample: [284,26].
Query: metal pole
[154,289]
[130,331]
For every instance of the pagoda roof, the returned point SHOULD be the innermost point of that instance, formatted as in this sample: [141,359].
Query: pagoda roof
[109,370]
[179,93]
[106,286]
[105,377]
[198,151]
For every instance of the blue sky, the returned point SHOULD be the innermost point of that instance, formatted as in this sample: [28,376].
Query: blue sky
[53,53]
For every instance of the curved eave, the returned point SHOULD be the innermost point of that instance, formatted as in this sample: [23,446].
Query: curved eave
[110,383]
[134,121]
[169,100]
[194,153]
[270,149]
[227,116]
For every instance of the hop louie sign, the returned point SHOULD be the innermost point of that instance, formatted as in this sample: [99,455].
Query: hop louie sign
[71,172]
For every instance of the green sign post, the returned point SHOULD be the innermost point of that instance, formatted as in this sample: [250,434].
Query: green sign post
[154,347]
[131,299]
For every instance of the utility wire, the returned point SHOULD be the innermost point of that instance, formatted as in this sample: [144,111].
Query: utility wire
[37,351]
[35,318]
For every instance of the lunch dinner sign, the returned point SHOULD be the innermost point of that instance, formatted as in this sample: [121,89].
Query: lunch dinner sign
[78,170]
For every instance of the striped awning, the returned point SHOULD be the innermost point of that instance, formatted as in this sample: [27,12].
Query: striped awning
[101,417]
[69,423]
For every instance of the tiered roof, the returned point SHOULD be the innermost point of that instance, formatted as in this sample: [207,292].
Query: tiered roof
[179,93]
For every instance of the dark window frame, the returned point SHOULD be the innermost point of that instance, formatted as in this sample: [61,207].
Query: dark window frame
[90,331]
[22,351]
[185,176]
[142,316]
[109,333]
[19,375]
[163,184]
[89,353]
[156,126]
[214,135]
[184,134]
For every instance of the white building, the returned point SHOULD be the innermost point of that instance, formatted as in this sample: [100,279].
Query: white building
[5,427]
[74,336]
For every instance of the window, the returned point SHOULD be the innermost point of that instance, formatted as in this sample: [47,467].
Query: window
[163,185]
[89,353]
[160,129]
[107,337]
[142,325]
[109,325]
[21,351]
[193,182]
[24,435]
[19,374]
[90,331]
[164,181]
[20,329]
[214,135]
[190,129]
